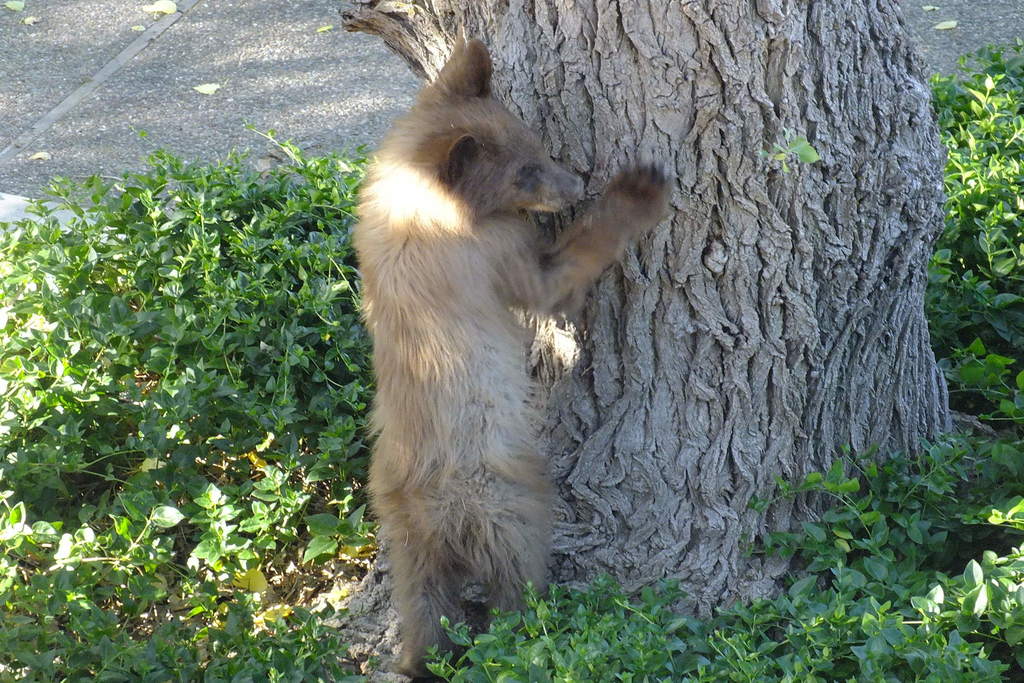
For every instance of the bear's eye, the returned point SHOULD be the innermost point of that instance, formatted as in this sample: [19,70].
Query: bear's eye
[528,178]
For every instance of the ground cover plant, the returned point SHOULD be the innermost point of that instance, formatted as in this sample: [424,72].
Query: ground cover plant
[184,384]
[976,294]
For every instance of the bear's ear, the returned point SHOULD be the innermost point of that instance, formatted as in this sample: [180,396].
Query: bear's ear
[460,155]
[467,72]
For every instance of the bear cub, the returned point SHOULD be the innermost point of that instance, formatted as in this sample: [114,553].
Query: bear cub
[448,257]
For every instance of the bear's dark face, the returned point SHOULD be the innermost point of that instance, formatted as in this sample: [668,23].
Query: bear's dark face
[482,153]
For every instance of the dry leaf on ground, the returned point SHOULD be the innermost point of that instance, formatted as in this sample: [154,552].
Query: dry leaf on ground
[161,7]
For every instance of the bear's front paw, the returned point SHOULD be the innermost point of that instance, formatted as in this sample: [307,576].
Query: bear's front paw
[641,195]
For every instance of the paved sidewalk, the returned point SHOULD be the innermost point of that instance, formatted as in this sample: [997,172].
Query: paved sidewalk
[979,23]
[325,90]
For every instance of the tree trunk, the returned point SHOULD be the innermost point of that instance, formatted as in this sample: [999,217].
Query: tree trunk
[777,317]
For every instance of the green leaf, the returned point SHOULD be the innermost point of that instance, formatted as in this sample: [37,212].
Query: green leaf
[945,25]
[15,5]
[1005,299]
[1004,266]
[977,600]
[1020,380]
[1007,407]
[166,516]
[210,498]
[323,524]
[17,514]
[973,373]
[976,347]
[924,604]
[319,545]
[1016,507]
[876,567]
[815,531]
[973,575]
[996,361]
[122,527]
[44,530]
[209,550]
[64,547]
[849,486]
[836,473]
[804,151]
[355,518]
[803,586]
[880,532]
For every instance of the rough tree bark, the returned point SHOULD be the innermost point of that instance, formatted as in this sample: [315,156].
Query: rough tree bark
[777,317]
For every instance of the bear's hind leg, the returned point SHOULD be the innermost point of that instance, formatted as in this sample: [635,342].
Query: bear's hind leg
[512,547]
[526,563]
[427,586]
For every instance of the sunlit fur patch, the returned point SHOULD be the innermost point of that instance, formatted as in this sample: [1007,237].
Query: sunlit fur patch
[402,194]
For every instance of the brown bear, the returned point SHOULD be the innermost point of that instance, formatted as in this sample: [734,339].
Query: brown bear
[447,257]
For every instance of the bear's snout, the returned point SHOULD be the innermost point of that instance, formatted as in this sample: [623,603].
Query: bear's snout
[563,188]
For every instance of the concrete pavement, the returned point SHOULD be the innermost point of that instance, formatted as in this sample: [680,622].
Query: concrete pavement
[978,23]
[323,89]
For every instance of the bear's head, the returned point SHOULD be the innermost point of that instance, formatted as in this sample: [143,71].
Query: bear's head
[477,150]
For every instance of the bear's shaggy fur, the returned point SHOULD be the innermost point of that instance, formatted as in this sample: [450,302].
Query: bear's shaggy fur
[447,256]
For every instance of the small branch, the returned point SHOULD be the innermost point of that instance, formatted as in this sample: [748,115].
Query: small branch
[409,29]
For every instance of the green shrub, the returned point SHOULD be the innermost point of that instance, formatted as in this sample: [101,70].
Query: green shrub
[184,381]
[976,286]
